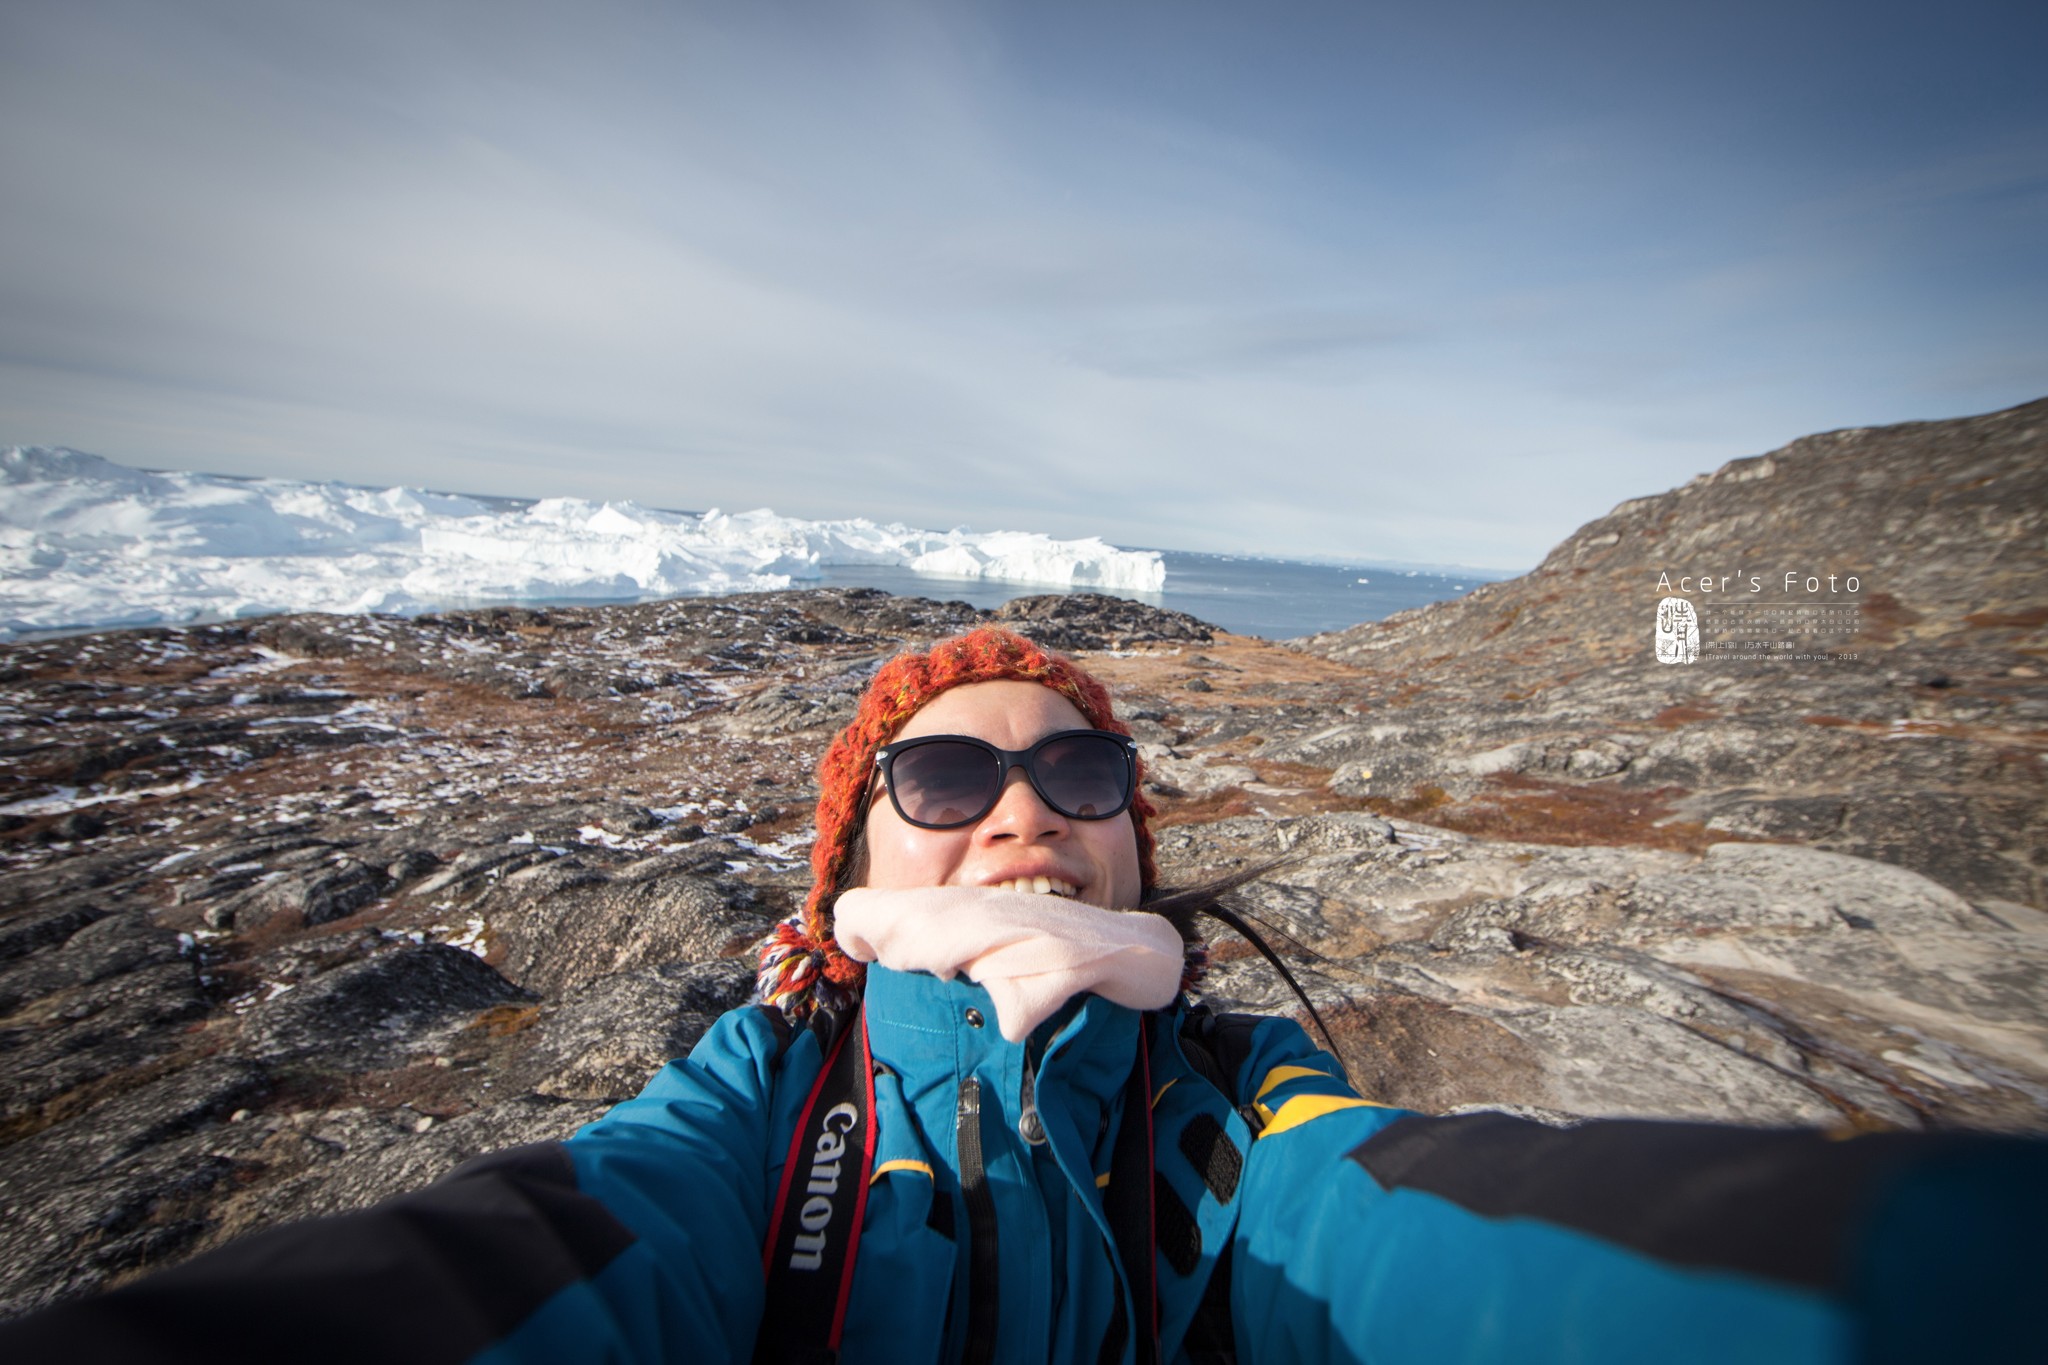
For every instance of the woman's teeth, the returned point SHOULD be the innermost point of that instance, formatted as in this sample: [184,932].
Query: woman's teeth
[1043,886]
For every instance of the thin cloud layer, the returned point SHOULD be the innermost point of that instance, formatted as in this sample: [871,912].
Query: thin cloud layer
[1340,284]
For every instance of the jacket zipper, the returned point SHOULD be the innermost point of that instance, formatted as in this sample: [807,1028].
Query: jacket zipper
[1030,1124]
[984,1263]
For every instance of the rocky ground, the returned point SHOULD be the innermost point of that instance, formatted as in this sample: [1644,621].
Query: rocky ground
[301,912]
[1912,737]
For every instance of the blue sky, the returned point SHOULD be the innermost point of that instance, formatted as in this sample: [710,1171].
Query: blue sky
[1420,283]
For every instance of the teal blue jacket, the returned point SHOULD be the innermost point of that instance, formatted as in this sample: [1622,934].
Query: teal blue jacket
[1357,1232]
[692,1166]
[1352,1232]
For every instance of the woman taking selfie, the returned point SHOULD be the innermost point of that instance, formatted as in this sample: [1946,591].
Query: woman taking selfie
[973,1117]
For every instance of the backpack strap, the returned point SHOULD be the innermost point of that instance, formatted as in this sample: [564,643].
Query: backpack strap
[814,1231]
[1129,1204]
[1216,1045]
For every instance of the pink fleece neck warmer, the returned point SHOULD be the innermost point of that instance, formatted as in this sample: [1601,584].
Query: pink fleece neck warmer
[1032,953]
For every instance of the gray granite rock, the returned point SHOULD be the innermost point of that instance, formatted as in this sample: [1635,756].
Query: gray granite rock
[376,1010]
[605,1040]
[1765,982]
[554,933]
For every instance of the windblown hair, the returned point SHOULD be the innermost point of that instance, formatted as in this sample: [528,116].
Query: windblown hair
[1182,907]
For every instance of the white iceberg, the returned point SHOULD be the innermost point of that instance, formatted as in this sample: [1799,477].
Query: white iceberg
[86,543]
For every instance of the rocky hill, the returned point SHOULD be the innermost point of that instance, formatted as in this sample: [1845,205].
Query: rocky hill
[1944,525]
[298,913]
[1874,613]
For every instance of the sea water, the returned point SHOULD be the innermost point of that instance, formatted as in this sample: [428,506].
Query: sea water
[1246,595]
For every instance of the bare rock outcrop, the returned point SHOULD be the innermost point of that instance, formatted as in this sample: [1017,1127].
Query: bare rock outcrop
[1094,621]
[1778,983]
[1943,524]
[1908,724]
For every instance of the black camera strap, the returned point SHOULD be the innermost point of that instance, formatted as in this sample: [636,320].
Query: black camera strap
[1129,1203]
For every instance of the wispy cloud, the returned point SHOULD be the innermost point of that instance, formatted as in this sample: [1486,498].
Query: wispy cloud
[1352,289]
[1289,341]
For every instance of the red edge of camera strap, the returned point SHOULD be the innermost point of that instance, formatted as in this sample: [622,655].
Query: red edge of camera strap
[866,1174]
[800,1259]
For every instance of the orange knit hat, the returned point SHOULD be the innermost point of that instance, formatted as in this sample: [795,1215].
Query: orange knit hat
[802,966]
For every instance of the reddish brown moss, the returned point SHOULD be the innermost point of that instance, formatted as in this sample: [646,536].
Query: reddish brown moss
[1884,616]
[1515,806]
[2030,619]
[501,1021]
[1415,805]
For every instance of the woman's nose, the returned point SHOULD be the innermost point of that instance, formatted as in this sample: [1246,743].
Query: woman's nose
[1021,813]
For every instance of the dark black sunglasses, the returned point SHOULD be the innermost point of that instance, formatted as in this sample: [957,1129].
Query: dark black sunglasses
[946,781]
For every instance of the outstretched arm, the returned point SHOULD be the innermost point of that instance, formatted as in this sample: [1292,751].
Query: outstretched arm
[1379,1235]
[639,1239]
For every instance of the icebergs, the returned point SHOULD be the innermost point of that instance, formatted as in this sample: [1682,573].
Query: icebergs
[85,542]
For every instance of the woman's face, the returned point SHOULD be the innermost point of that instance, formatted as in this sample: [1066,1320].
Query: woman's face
[1022,837]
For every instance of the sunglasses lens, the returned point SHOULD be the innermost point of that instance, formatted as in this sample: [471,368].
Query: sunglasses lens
[944,783]
[1087,777]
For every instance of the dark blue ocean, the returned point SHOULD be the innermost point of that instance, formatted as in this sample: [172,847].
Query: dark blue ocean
[1246,595]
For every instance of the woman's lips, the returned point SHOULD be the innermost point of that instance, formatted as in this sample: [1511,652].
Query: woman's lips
[1037,885]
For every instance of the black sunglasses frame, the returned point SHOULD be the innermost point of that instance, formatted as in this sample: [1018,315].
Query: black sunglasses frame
[885,757]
